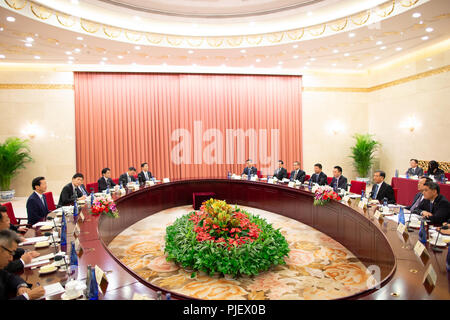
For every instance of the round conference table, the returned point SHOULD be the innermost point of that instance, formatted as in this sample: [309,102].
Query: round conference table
[401,272]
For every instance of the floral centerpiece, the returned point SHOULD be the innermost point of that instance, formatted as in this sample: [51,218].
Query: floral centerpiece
[106,206]
[324,194]
[225,239]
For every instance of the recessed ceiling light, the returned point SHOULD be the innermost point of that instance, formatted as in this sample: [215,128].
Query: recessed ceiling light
[29,39]
[295,46]
[429,59]
[346,54]
[77,50]
[430,68]
[37,57]
[120,57]
[379,43]
[104,58]
[10,19]
[191,51]
[310,13]
[335,51]
[398,49]
[429,29]
[334,64]
[420,22]
[68,52]
[280,62]
[258,60]
[377,58]
[416,15]
[351,35]
[1,29]
[425,38]
[137,47]
[312,59]
[243,51]
[2,56]
[80,38]
[295,57]
[383,48]
[70,58]
[27,44]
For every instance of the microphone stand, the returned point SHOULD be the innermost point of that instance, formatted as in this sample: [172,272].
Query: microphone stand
[48,234]
[409,221]
[435,248]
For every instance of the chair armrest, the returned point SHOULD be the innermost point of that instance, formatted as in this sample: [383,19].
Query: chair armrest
[19,220]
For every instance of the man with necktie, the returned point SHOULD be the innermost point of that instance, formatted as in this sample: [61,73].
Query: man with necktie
[415,170]
[297,174]
[381,189]
[37,209]
[105,181]
[144,175]
[436,208]
[339,181]
[319,177]
[281,172]
[249,169]
[128,176]
[70,192]
[418,198]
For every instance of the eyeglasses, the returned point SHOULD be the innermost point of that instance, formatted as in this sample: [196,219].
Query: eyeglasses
[12,253]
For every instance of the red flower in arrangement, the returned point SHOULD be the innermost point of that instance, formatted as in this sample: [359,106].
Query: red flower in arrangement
[219,222]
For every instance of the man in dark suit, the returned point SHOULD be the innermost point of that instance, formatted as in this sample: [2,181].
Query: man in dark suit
[297,174]
[281,172]
[105,180]
[128,176]
[381,189]
[415,170]
[21,258]
[436,208]
[418,198]
[70,192]
[37,209]
[144,175]
[319,177]
[339,181]
[249,169]
[11,285]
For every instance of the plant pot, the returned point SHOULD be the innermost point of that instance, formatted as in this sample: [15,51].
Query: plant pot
[7,195]
[366,180]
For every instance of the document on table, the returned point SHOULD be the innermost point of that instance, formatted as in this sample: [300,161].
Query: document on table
[53,289]
[36,263]
[33,240]
[44,257]
[43,223]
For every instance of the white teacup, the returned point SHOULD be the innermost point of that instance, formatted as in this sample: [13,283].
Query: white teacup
[74,289]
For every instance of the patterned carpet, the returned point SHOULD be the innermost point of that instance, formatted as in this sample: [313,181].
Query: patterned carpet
[318,267]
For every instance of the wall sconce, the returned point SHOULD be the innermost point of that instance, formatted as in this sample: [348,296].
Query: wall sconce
[411,124]
[335,127]
[31,130]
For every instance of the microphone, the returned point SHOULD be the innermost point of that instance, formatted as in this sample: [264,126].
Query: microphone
[54,222]
[409,221]
[435,247]
[48,234]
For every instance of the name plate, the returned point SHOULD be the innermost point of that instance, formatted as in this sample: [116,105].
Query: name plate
[377,214]
[421,252]
[346,199]
[361,204]
[271,181]
[291,184]
[151,183]
[401,228]
[123,191]
[76,231]
[254,178]
[81,216]
[101,278]
[430,277]
[166,180]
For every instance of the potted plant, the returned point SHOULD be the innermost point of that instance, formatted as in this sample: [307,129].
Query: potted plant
[14,154]
[362,154]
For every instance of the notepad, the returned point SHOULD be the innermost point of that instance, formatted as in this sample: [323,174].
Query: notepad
[33,240]
[43,223]
[44,257]
[53,289]
[36,263]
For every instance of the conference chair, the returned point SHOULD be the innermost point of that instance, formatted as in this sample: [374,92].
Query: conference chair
[12,216]
[93,185]
[329,179]
[307,177]
[50,201]
[357,187]
[395,193]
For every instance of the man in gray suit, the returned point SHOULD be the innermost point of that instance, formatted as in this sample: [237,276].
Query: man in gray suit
[415,170]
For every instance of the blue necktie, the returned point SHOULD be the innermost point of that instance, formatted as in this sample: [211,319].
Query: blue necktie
[44,202]
[374,191]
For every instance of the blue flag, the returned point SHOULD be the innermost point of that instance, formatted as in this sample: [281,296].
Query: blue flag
[75,208]
[63,230]
[93,287]
[401,216]
[73,261]
[422,233]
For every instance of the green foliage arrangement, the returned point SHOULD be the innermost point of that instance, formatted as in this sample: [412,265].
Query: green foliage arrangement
[14,154]
[362,153]
[225,240]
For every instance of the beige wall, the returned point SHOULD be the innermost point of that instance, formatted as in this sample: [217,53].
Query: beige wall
[379,112]
[53,150]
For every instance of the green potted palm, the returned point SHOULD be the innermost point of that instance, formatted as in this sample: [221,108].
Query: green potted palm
[362,153]
[14,154]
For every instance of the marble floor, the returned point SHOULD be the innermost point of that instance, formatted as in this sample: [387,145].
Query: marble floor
[318,267]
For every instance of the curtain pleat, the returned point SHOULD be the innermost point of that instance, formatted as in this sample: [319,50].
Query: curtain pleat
[124,119]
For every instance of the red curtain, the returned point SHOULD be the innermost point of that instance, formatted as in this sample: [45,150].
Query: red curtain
[186,125]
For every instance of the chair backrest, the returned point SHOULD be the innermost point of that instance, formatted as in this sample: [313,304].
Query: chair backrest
[93,185]
[10,211]
[329,179]
[258,173]
[50,201]
[447,175]
[395,193]
[357,187]
[116,181]
[307,177]
[289,175]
